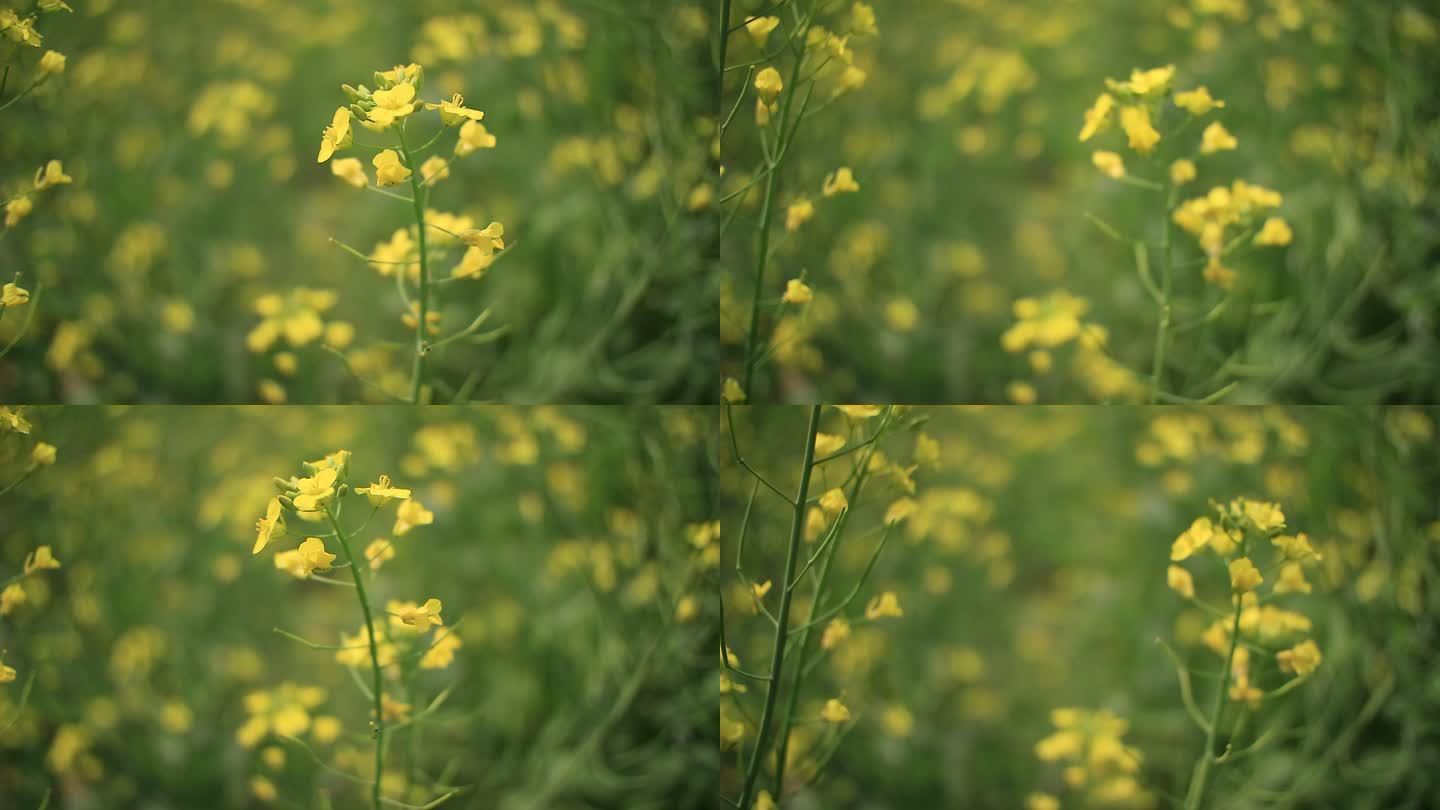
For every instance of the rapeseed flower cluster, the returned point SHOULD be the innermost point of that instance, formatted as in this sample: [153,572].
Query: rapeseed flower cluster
[1236,535]
[1097,764]
[796,69]
[408,638]
[393,109]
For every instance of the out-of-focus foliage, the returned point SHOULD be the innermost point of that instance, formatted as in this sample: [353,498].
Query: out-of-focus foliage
[189,132]
[1030,565]
[978,206]
[572,580]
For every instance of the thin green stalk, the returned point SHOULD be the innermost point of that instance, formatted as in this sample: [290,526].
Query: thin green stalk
[804,650]
[1162,328]
[417,373]
[777,661]
[767,208]
[1200,781]
[374,659]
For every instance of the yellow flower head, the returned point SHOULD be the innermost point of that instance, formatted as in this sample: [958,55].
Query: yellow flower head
[411,514]
[1302,659]
[1292,579]
[768,84]
[454,111]
[473,136]
[1182,172]
[434,169]
[862,20]
[1216,138]
[380,492]
[1109,163]
[337,136]
[416,617]
[269,526]
[1262,515]
[1135,121]
[13,596]
[487,239]
[835,712]
[1180,581]
[43,454]
[759,28]
[859,411]
[840,181]
[798,292]
[52,63]
[798,214]
[389,170]
[1296,548]
[1147,83]
[732,391]
[310,557]
[391,105]
[442,652]
[833,502]
[316,491]
[51,174]
[1197,101]
[17,209]
[351,170]
[7,673]
[13,295]
[827,443]
[378,552]
[1275,231]
[1193,539]
[1097,118]
[886,604]
[41,559]
[1244,576]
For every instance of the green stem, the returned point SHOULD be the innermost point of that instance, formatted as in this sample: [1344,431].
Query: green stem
[1200,781]
[777,661]
[788,720]
[417,373]
[374,658]
[1162,328]
[767,208]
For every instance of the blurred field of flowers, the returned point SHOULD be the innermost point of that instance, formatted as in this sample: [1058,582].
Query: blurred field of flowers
[176,243]
[1081,201]
[151,660]
[985,603]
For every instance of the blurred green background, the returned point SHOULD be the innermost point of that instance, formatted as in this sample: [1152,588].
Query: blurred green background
[573,580]
[190,131]
[1032,576]
[975,190]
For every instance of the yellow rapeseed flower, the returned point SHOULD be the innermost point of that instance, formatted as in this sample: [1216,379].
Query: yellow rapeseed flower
[1216,138]
[1109,164]
[411,514]
[269,526]
[886,604]
[1135,120]
[380,492]
[389,170]
[1197,101]
[1244,576]
[798,292]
